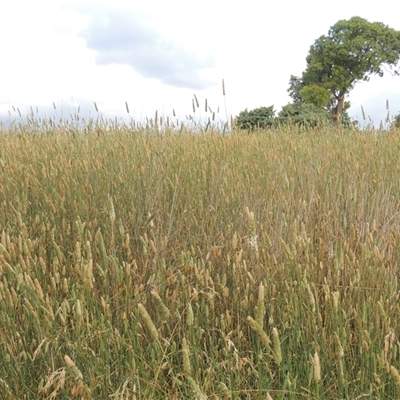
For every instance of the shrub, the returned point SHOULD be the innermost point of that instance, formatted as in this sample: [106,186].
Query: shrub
[303,114]
[396,121]
[260,118]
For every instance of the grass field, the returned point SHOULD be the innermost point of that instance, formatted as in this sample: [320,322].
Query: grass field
[144,265]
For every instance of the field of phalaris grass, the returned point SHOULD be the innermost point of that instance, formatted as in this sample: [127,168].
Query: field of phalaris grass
[148,264]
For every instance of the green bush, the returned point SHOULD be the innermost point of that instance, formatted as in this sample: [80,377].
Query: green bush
[396,121]
[303,114]
[262,117]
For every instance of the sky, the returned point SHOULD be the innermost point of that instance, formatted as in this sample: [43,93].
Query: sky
[155,55]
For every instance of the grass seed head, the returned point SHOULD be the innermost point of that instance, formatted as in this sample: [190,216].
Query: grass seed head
[259,330]
[185,357]
[316,368]
[39,290]
[88,278]
[260,309]
[396,376]
[73,368]
[189,315]
[161,307]
[148,322]
[78,308]
[199,395]
[112,209]
[277,346]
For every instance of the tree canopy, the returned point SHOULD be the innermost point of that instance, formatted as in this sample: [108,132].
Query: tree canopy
[353,50]
[315,94]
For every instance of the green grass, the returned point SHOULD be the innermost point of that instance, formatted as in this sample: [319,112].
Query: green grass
[136,264]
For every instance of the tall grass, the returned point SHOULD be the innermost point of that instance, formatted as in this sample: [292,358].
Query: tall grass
[152,264]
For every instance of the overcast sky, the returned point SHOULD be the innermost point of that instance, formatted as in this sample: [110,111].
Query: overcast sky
[156,54]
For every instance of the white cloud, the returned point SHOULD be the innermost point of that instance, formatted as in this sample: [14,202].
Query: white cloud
[122,38]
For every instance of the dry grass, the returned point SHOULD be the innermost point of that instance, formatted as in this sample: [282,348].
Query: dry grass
[149,264]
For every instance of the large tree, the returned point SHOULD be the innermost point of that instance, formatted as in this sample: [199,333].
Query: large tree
[353,50]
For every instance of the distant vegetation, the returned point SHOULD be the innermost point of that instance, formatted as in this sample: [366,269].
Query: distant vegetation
[396,121]
[301,114]
[352,51]
[259,118]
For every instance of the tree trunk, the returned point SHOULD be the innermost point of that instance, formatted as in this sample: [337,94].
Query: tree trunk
[336,112]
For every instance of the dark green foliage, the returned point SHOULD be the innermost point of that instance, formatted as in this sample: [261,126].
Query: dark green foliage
[316,95]
[396,121]
[353,50]
[259,118]
[347,121]
[303,114]
[295,87]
